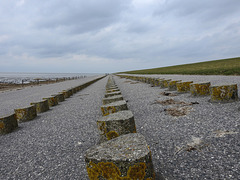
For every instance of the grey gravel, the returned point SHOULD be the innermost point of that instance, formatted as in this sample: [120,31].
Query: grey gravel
[53,145]
[204,144]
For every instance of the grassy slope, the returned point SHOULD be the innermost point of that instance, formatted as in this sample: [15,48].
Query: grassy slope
[217,67]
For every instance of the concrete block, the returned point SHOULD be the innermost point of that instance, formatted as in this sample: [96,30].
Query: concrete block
[41,106]
[166,82]
[200,89]
[66,94]
[60,97]
[52,101]
[112,99]
[113,94]
[224,93]
[126,157]
[26,114]
[114,107]
[116,124]
[183,86]
[172,85]
[8,124]
[111,90]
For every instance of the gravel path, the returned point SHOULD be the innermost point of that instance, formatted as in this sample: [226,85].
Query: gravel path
[14,99]
[204,144]
[53,145]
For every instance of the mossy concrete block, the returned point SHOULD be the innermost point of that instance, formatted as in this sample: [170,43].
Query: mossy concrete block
[66,94]
[165,82]
[8,124]
[61,97]
[172,85]
[126,157]
[200,89]
[183,86]
[52,101]
[113,94]
[111,90]
[114,107]
[116,124]
[224,93]
[157,82]
[112,99]
[70,91]
[41,106]
[26,114]
[74,90]
[111,87]
[161,83]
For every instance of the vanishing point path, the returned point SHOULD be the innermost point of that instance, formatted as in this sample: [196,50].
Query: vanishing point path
[203,144]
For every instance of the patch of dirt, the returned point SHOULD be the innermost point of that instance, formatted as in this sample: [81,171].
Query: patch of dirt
[127,81]
[134,82]
[181,108]
[168,94]
[220,133]
[172,102]
[195,144]
[178,111]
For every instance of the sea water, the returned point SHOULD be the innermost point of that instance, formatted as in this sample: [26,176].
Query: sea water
[19,78]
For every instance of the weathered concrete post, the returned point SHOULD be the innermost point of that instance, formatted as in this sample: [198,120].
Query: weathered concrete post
[26,114]
[183,86]
[200,89]
[172,85]
[126,157]
[224,93]
[114,107]
[112,99]
[8,124]
[41,106]
[116,124]
[113,94]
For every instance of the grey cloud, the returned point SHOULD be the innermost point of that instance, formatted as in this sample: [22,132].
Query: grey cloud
[81,16]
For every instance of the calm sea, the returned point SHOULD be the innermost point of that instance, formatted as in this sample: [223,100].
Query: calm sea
[9,77]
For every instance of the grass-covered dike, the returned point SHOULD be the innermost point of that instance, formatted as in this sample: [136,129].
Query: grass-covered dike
[217,67]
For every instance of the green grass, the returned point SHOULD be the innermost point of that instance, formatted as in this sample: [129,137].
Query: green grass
[217,67]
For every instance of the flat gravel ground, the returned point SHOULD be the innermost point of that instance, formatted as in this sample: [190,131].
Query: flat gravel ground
[10,100]
[203,144]
[53,145]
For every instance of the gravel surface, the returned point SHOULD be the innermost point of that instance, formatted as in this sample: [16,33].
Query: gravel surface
[53,145]
[203,144]
[15,99]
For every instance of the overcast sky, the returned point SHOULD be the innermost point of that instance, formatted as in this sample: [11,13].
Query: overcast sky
[115,35]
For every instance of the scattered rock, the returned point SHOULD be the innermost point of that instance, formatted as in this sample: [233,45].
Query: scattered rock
[168,94]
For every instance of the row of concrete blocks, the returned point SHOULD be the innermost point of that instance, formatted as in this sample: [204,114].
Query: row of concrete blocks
[10,122]
[218,93]
[122,153]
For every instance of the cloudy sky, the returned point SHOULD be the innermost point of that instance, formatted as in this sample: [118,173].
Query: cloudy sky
[115,35]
